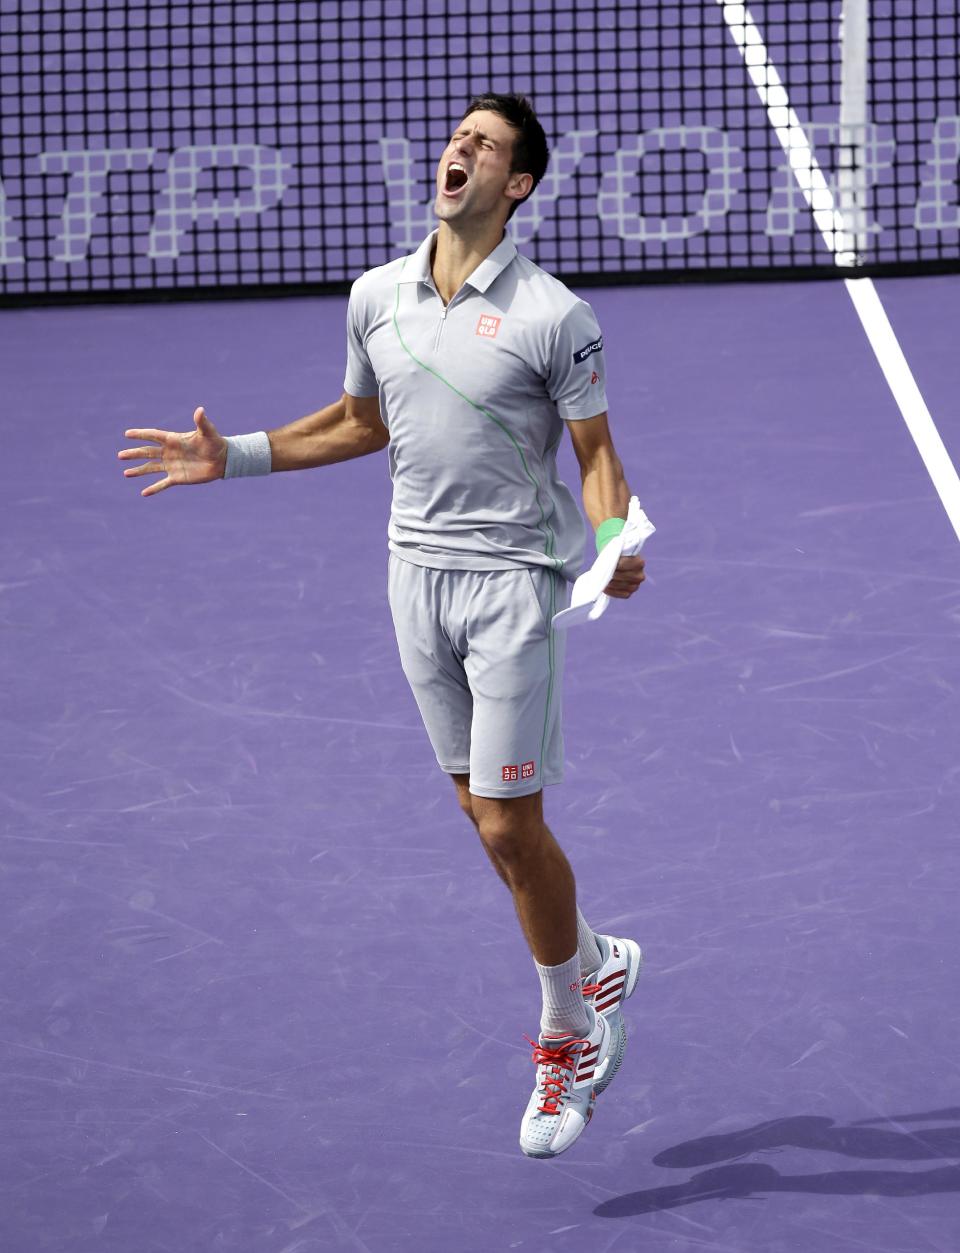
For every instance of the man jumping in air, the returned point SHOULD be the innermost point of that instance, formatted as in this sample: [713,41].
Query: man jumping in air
[465,361]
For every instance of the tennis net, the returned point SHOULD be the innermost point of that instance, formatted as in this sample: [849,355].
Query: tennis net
[158,148]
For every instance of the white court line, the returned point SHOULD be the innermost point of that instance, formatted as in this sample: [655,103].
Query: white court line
[816,191]
[907,394]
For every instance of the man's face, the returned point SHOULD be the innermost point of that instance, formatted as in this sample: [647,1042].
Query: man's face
[474,170]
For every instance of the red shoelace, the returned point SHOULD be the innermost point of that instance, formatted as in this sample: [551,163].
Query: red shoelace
[557,1060]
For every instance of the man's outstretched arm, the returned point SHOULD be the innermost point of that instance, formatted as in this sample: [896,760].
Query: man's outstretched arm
[350,427]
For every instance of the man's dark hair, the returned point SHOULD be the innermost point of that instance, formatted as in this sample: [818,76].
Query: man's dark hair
[530,151]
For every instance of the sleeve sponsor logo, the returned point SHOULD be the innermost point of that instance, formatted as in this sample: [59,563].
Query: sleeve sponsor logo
[582,353]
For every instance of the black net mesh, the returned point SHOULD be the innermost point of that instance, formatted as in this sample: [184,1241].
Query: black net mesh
[914,75]
[162,147]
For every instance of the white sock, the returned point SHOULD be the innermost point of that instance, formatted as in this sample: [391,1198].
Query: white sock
[564,1011]
[588,950]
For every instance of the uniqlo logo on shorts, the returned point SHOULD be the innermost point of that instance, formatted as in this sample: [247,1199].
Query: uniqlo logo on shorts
[527,770]
[488,326]
[511,774]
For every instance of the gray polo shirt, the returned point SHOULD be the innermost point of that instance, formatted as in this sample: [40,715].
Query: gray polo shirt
[474,395]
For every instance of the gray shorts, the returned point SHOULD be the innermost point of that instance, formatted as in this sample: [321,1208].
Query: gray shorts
[485,668]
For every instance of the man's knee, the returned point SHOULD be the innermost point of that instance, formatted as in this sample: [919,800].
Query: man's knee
[509,828]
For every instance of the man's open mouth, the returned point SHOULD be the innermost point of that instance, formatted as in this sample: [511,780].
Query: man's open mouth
[456,178]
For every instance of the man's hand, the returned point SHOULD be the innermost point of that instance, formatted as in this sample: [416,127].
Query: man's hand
[626,578]
[198,456]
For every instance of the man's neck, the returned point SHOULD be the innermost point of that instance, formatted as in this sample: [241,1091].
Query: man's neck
[457,254]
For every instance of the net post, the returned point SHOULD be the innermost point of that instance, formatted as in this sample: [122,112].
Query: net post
[852,182]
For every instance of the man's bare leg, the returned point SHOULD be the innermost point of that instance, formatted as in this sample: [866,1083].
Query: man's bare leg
[579,1050]
[532,865]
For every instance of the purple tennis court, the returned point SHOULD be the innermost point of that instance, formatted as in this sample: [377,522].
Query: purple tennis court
[262,991]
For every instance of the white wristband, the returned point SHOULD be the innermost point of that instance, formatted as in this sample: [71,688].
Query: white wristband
[247,455]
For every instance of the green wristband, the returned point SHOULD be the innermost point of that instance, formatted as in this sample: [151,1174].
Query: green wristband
[607,530]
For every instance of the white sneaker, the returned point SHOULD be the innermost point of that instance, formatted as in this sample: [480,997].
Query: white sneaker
[605,991]
[562,1101]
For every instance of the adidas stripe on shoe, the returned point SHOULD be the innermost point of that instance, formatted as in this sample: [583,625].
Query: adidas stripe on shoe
[605,991]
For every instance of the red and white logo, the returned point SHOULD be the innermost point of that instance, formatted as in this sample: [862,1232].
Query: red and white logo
[594,377]
[488,326]
[510,774]
[527,770]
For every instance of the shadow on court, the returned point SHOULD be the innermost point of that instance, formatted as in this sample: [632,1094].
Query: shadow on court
[742,1180]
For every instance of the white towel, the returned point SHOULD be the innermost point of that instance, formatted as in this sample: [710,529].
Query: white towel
[588,602]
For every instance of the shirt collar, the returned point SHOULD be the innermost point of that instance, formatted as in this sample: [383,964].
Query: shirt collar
[417,269]
[417,266]
[493,265]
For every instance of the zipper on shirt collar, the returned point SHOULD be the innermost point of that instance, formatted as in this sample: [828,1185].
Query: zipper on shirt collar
[444,309]
[443,318]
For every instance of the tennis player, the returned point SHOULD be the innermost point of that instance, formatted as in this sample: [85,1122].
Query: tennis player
[464,362]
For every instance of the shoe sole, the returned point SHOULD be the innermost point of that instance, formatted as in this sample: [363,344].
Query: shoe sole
[613,1063]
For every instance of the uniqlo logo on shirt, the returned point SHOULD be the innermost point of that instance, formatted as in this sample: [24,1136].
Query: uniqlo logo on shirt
[488,326]
[511,774]
[527,770]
